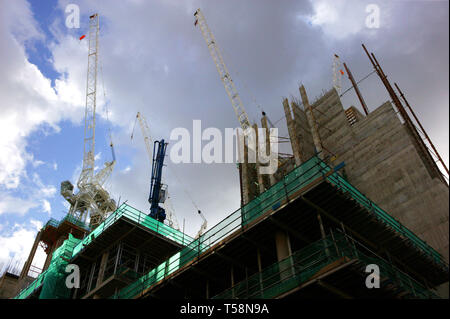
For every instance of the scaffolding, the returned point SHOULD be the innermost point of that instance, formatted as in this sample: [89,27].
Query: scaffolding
[294,184]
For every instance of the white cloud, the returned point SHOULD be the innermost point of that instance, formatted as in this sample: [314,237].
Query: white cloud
[46,206]
[16,245]
[338,19]
[34,101]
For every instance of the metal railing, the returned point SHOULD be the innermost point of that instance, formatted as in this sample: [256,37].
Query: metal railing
[271,199]
[301,266]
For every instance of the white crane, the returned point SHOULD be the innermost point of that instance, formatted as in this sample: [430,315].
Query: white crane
[223,71]
[204,225]
[92,199]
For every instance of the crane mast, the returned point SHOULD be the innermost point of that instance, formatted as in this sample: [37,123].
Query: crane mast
[92,199]
[87,172]
[223,71]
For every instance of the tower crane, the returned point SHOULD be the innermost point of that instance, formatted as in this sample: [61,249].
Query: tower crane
[223,71]
[92,199]
[204,225]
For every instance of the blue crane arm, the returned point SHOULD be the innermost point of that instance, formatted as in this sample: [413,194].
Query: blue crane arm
[156,211]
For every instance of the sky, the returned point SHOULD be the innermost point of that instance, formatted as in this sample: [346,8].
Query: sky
[154,60]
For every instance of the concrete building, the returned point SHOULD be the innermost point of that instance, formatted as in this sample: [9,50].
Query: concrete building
[307,231]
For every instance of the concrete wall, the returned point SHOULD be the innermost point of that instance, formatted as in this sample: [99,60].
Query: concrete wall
[382,162]
[8,285]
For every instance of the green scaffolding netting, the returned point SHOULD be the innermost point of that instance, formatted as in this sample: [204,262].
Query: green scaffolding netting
[53,279]
[127,211]
[298,178]
[302,265]
[54,284]
[271,199]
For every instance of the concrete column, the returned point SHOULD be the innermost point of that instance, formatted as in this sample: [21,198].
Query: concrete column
[258,165]
[101,271]
[245,170]
[292,132]
[311,121]
[258,257]
[283,246]
[268,148]
[49,257]
[27,265]
[232,281]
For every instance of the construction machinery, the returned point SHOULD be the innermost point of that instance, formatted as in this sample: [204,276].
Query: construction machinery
[223,71]
[92,199]
[157,189]
[171,218]
[204,225]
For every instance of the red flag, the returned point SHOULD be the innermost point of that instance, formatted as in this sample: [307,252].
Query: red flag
[195,23]
[342,72]
[82,37]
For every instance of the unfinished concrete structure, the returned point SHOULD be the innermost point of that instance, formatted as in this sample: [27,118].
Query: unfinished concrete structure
[381,160]
[356,191]
[307,231]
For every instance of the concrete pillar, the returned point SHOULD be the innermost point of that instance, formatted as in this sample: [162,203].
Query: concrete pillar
[101,271]
[27,265]
[245,173]
[49,257]
[258,165]
[312,122]
[292,132]
[232,281]
[268,148]
[283,246]
[258,257]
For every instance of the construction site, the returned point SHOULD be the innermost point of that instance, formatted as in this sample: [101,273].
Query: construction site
[360,188]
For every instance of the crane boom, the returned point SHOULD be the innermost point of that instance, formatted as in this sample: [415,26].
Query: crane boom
[145,133]
[223,71]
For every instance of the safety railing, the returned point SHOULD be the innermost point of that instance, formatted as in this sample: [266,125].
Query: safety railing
[138,217]
[55,223]
[271,199]
[300,267]
[380,214]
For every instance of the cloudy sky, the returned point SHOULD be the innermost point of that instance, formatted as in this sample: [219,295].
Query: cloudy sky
[154,60]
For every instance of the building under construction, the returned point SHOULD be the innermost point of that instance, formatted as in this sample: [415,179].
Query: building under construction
[358,190]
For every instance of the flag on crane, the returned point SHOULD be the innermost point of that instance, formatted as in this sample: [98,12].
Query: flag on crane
[342,72]
[82,37]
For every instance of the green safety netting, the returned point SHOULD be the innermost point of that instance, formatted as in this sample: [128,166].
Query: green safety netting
[53,279]
[298,178]
[55,223]
[138,217]
[51,287]
[291,272]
